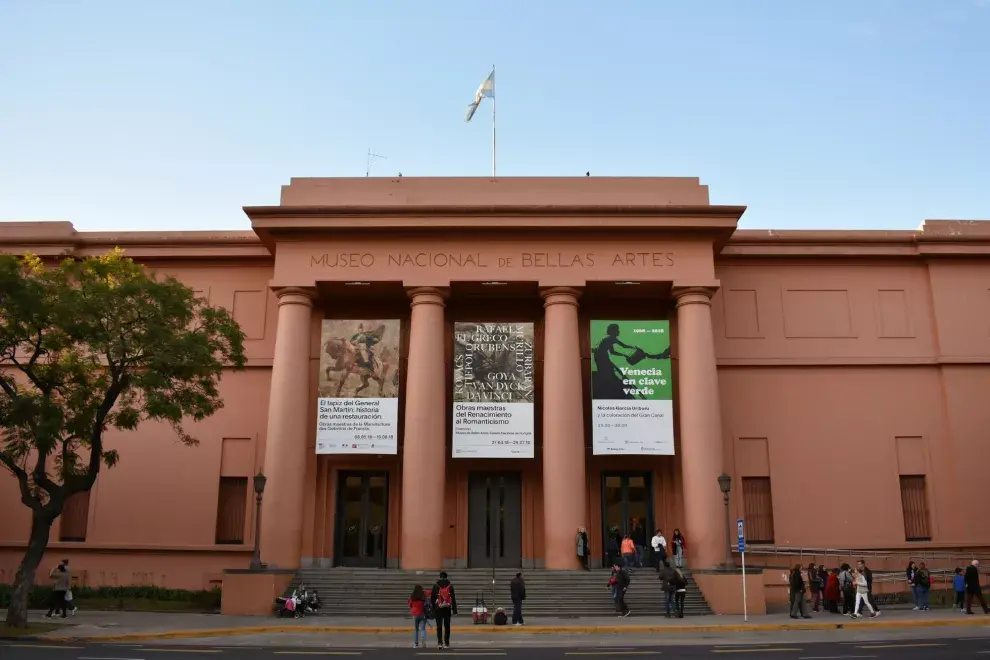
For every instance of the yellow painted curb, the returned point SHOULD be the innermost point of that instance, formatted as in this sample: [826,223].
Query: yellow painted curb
[527,630]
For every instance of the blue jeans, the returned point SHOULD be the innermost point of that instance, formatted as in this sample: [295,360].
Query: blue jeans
[419,629]
[924,597]
[914,595]
[670,600]
[639,556]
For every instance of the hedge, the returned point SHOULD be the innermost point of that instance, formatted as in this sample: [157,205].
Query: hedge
[39,597]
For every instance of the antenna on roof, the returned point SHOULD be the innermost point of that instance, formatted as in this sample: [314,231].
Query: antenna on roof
[371,156]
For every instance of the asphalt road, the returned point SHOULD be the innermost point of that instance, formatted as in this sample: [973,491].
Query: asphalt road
[947,649]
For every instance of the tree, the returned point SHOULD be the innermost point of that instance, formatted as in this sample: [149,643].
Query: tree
[86,346]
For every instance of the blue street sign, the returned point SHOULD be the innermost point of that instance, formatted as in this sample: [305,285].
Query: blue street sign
[740,535]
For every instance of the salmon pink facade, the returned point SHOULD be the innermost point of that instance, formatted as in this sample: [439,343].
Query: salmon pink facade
[839,378]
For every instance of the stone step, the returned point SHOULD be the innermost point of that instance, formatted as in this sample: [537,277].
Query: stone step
[571,594]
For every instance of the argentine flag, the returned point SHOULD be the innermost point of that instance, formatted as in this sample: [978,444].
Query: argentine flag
[486,89]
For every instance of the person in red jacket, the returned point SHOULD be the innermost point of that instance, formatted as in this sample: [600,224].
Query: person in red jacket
[833,592]
[416,602]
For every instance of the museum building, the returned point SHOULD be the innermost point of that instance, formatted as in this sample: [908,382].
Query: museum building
[838,377]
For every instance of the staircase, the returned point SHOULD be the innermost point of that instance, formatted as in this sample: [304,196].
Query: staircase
[559,594]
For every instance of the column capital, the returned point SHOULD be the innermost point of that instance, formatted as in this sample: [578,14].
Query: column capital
[694,295]
[427,295]
[560,295]
[295,295]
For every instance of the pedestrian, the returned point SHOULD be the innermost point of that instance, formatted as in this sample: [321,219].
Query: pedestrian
[62,583]
[868,574]
[582,548]
[659,544]
[443,602]
[417,611]
[679,547]
[613,585]
[833,592]
[923,583]
[639,540]
[613,547]
[848,588]
[680,593]
[909,573]
[862,595]
[797,594]
[815,582]
[628,552]
[668,583]
[517,591]
[973,588]
[621,585]
[959,586]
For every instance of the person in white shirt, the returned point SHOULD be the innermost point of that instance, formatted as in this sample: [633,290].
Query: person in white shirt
[659,544]
[862,595]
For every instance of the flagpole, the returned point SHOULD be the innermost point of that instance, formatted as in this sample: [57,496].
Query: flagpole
[493,121]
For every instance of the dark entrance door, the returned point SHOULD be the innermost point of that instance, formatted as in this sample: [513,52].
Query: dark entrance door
[627,497]
[362,519]
[495,519]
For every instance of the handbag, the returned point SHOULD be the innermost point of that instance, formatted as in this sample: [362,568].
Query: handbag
[68,595]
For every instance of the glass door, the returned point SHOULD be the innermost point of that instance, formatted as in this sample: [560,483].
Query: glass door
[627,504]
[362,519]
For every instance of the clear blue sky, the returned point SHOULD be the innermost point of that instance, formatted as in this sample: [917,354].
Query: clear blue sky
[172,115]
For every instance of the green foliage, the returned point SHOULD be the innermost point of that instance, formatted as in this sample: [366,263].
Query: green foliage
[96,344]
[206,600]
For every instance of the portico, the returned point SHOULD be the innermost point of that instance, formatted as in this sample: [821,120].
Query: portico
[429,252]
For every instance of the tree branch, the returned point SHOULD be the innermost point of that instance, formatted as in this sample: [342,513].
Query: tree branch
[27,497]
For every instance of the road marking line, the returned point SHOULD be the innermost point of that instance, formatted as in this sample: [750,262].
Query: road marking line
[42,646]
[318,652]
[834,657]
[754,650]
[464,654]
[90,657]
[982,652]
[897,646]
[612,653]
[164,650]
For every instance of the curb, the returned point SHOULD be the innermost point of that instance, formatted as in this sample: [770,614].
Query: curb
[529,630]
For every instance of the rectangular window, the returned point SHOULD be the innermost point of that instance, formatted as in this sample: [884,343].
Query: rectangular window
[75,518]
[914,502]
[758,509]
[232,510]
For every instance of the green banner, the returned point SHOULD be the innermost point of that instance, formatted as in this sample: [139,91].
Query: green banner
[631,387]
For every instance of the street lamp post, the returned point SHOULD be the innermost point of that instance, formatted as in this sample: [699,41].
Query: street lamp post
[259,489]
[725,485]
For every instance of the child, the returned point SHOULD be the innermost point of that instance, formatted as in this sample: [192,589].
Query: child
[416,610]
[959,584]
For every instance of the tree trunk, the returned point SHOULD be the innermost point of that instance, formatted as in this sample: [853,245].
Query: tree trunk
[41,527]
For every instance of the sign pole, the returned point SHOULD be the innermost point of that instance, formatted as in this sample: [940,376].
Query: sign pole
[741,540]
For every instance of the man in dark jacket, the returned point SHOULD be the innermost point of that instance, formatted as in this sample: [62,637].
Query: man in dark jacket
[621,584]
[668,582]
[973,588]
[444,607]
[517,591]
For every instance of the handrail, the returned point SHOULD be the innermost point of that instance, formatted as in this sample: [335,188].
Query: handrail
[917,554]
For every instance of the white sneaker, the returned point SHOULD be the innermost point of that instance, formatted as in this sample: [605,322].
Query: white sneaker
[916,608]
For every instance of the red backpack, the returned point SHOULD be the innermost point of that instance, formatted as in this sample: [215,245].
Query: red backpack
[443,596]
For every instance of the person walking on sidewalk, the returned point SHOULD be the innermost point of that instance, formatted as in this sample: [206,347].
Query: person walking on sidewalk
[621,584]
[959,586]
[862,595]
[868,574]
[417,607]
[815,582]
[848,587]
[517,591]
[797,594]
[444,605]
[62,583]
[923,584]
[973,588]
[668,582]
[909,573]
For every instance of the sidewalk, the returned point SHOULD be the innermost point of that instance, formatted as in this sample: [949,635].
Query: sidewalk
[139,626]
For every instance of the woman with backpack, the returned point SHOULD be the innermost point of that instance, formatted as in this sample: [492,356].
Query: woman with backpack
[417,609]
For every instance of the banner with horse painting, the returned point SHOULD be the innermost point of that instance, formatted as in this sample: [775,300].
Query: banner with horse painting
[358,388]
[632,391]
[493,390]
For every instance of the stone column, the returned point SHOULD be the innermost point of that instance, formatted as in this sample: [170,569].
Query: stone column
[564,480]
[424,454]
[701,427]
[289,409]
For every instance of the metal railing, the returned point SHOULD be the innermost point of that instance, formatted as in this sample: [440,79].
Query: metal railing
[916,555]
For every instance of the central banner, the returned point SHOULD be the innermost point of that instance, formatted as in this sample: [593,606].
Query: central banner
[632,403]
[493,390]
